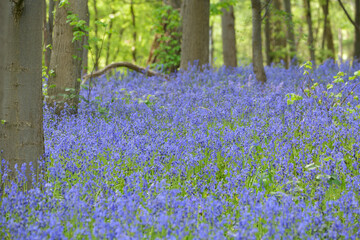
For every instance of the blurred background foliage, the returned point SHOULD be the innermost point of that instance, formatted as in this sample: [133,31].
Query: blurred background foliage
[112,30]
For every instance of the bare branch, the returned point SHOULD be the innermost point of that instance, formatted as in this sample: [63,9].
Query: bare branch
[131,66]
[348,16]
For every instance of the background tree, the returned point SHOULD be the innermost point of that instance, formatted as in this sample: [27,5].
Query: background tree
[268,33]
[327,33]
[166,48]
[67,52]
[256,41]
[279,38]
[228,36]
[48,32]
[290,31]
[307,8]
[21,126]
[195,36]
[357,30]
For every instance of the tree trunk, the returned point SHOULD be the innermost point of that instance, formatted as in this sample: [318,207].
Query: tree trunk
[21,115]
[66,59]
[357,30]
[175,4]
[307,7]
[268,33]
[133,49]
[97,49]
[195,37]
[340,38]
[48,34]
[279,46]
[228,37]
[85,58]
[327,33]
[109,38]
[211,45]
[290,31]
[256,41]
[170,48]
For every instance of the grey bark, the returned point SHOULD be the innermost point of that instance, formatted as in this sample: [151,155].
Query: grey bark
[357,30]
[307,8]
[195,37]
[228,37]
[290,30]
[66,59]
[256,41]
[48,33]
[21,136]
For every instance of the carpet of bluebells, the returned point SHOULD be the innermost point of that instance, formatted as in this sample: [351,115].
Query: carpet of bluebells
[207,155]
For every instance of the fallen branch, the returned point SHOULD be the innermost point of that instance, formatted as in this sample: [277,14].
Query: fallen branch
[131,66]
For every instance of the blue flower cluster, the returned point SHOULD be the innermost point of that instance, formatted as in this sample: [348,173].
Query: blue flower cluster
[207,155]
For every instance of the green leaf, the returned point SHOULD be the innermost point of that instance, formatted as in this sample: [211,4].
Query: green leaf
[2,121]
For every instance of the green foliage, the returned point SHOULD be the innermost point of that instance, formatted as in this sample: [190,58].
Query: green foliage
[167,24]
[329,98]
[215,8]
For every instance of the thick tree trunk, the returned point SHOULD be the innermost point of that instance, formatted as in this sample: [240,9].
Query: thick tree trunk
[66,58]
[21,126]
[327,33]
[228,37]
[256,41]
[290,31]
[48,33]
[307,8]
[357,30]
[195,37]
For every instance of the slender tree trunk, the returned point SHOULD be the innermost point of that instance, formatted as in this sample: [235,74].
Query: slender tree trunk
[290,31]
[66,58]
[228,37]
[340,38]
[97,49]
[21,127]
[133,18]
[357,31]
[195,37]
[268,33]
[256,41]
[175,4]
[327,33]
[109,38]
[85,58]
[307,7]
[48,33]
[211,36]
[279,49]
